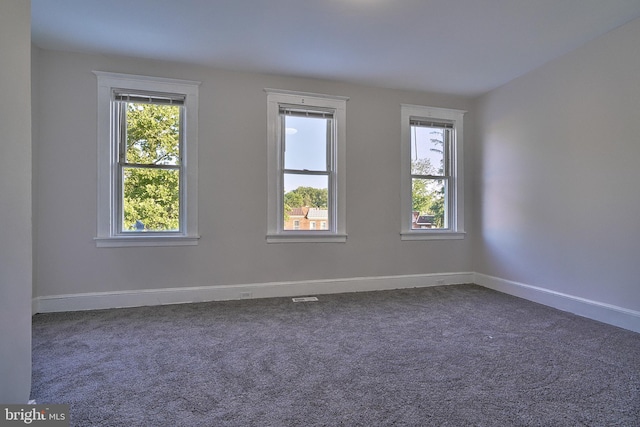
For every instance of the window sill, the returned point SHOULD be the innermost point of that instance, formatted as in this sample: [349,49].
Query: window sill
[306,238]
[432,235]
[147,240]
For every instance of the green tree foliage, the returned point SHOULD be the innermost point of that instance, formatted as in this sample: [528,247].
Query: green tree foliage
[151,195]
[307,196]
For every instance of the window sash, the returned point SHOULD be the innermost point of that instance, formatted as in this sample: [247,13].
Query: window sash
[121,204]
[120,124]
[448,215]
[328,143]
[313,112]
[448,136]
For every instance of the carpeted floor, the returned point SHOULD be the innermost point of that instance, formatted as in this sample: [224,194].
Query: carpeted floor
[444,356]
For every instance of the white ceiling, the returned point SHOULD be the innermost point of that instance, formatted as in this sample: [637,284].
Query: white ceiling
[464,47]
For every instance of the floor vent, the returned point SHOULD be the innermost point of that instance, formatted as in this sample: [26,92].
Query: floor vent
[305,299]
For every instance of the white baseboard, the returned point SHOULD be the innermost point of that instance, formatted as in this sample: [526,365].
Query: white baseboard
[137,298]
[607,313]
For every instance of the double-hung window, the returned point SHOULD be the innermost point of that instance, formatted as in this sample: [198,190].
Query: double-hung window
[432,191]
[306,167]
[147,161]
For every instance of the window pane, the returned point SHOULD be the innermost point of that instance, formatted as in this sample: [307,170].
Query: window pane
[305,143]
[427,150]
[428,203]
[151,199]
[305,201]
[153,134]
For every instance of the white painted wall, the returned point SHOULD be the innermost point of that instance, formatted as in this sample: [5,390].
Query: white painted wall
[15,202]
[550,167]
[232,193]
[558,174]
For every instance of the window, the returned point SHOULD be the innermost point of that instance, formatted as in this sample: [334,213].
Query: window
[306,166]
[147,161]
[432,192]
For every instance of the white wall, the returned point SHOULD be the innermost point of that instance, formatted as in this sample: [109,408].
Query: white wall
[232,193]
[15,205]
[558,174]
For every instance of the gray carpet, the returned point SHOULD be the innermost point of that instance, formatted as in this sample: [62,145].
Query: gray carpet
[444,356]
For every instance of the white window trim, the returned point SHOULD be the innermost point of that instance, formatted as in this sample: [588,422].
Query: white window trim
[456,190]
[108,235]
[275,232]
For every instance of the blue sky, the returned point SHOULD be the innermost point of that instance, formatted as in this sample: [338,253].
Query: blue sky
[305,148]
